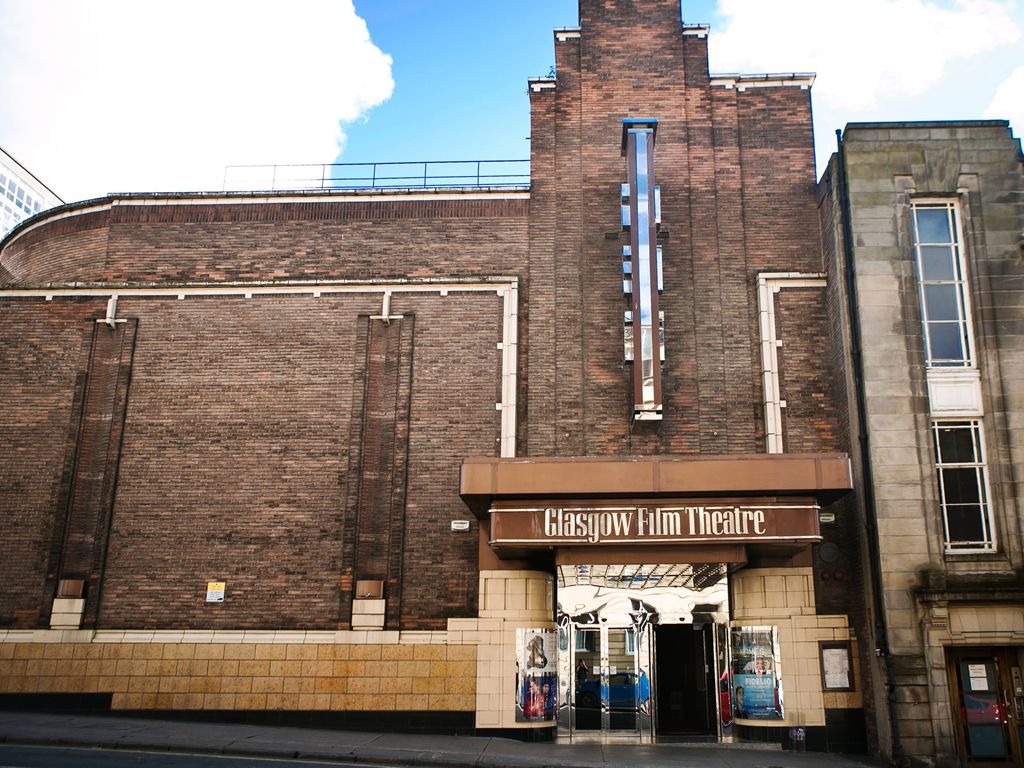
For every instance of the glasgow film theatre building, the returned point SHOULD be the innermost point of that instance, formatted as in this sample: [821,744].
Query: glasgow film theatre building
[565,457]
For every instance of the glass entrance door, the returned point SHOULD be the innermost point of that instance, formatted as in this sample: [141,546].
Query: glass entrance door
[623,679]
[985,683]
[589,652]
[608,617]
[608,680]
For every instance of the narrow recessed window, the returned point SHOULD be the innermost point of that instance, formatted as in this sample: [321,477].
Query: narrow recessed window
[963,486]
[945,310]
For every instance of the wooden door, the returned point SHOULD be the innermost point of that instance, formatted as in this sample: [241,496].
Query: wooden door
[987,706]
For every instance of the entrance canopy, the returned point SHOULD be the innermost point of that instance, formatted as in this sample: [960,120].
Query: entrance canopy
[653,509]
[824,476]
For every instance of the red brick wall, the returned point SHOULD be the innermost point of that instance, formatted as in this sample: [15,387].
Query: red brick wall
[44,347]
[810,420]
[235,457]
[236,463]
[67,250]
[736,171]
[456,385]
[197,243]
[232,463]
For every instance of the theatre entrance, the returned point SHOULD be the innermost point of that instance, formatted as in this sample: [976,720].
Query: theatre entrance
[643,652]
[685,669]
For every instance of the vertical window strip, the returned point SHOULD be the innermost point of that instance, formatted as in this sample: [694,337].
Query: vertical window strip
[963,486]
[945,311]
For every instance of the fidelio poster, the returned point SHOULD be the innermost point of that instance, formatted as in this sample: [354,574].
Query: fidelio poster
[536,675]
[756,673]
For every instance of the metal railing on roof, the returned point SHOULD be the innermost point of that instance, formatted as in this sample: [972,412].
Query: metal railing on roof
[396,175]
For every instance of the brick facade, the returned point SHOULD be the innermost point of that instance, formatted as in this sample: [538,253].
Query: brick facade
[736,170]
[284,391]
[235,462]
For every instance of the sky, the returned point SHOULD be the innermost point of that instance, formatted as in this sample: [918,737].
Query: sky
[148,95]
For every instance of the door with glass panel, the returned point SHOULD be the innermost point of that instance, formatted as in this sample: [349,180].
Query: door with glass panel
[608,680]
[988,699]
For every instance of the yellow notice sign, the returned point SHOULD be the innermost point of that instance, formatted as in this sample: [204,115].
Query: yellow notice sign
[215,591]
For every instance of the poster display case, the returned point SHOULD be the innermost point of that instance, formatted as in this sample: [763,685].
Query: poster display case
[756,673]
[536,675]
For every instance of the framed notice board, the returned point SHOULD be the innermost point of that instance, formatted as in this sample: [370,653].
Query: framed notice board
[836,665]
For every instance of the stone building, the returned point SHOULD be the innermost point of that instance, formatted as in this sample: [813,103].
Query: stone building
[562,459]
[923,226]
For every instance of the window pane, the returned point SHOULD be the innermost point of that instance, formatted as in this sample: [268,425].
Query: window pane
[961,486]
[937,262]
[940,302]
[946,341]
[956,445]
[933,225]
[965,524]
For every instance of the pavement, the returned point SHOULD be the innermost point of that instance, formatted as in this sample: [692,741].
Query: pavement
[245,740]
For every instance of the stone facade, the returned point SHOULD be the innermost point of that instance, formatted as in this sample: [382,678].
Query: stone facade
[935,597]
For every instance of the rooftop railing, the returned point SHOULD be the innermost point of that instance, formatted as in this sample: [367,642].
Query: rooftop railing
[341,176]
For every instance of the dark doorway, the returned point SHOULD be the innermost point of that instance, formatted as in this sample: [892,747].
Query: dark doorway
[684,678]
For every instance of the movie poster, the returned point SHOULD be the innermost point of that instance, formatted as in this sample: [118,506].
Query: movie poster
[756,673]
[536,675]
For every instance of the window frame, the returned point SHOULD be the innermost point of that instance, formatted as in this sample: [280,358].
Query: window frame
[580,639]
[631,641]
[959,281]
[980,465]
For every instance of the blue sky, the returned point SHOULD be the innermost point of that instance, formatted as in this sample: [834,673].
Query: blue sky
[132,95]
[460,68]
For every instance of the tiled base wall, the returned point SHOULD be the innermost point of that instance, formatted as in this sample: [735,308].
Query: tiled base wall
[468,668]
[510,600]
[410,674]
[784,597]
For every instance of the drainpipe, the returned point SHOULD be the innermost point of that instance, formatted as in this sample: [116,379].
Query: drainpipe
[870,514]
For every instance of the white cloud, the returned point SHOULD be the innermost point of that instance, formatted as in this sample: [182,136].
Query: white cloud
[140,95]
[1008,102]
[863,52]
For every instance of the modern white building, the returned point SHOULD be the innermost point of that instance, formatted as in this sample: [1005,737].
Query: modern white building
[21,194]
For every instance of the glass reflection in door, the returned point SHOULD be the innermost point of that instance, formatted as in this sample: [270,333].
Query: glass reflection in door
[607,683]
[982,710]
[587,674]
[622,679]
